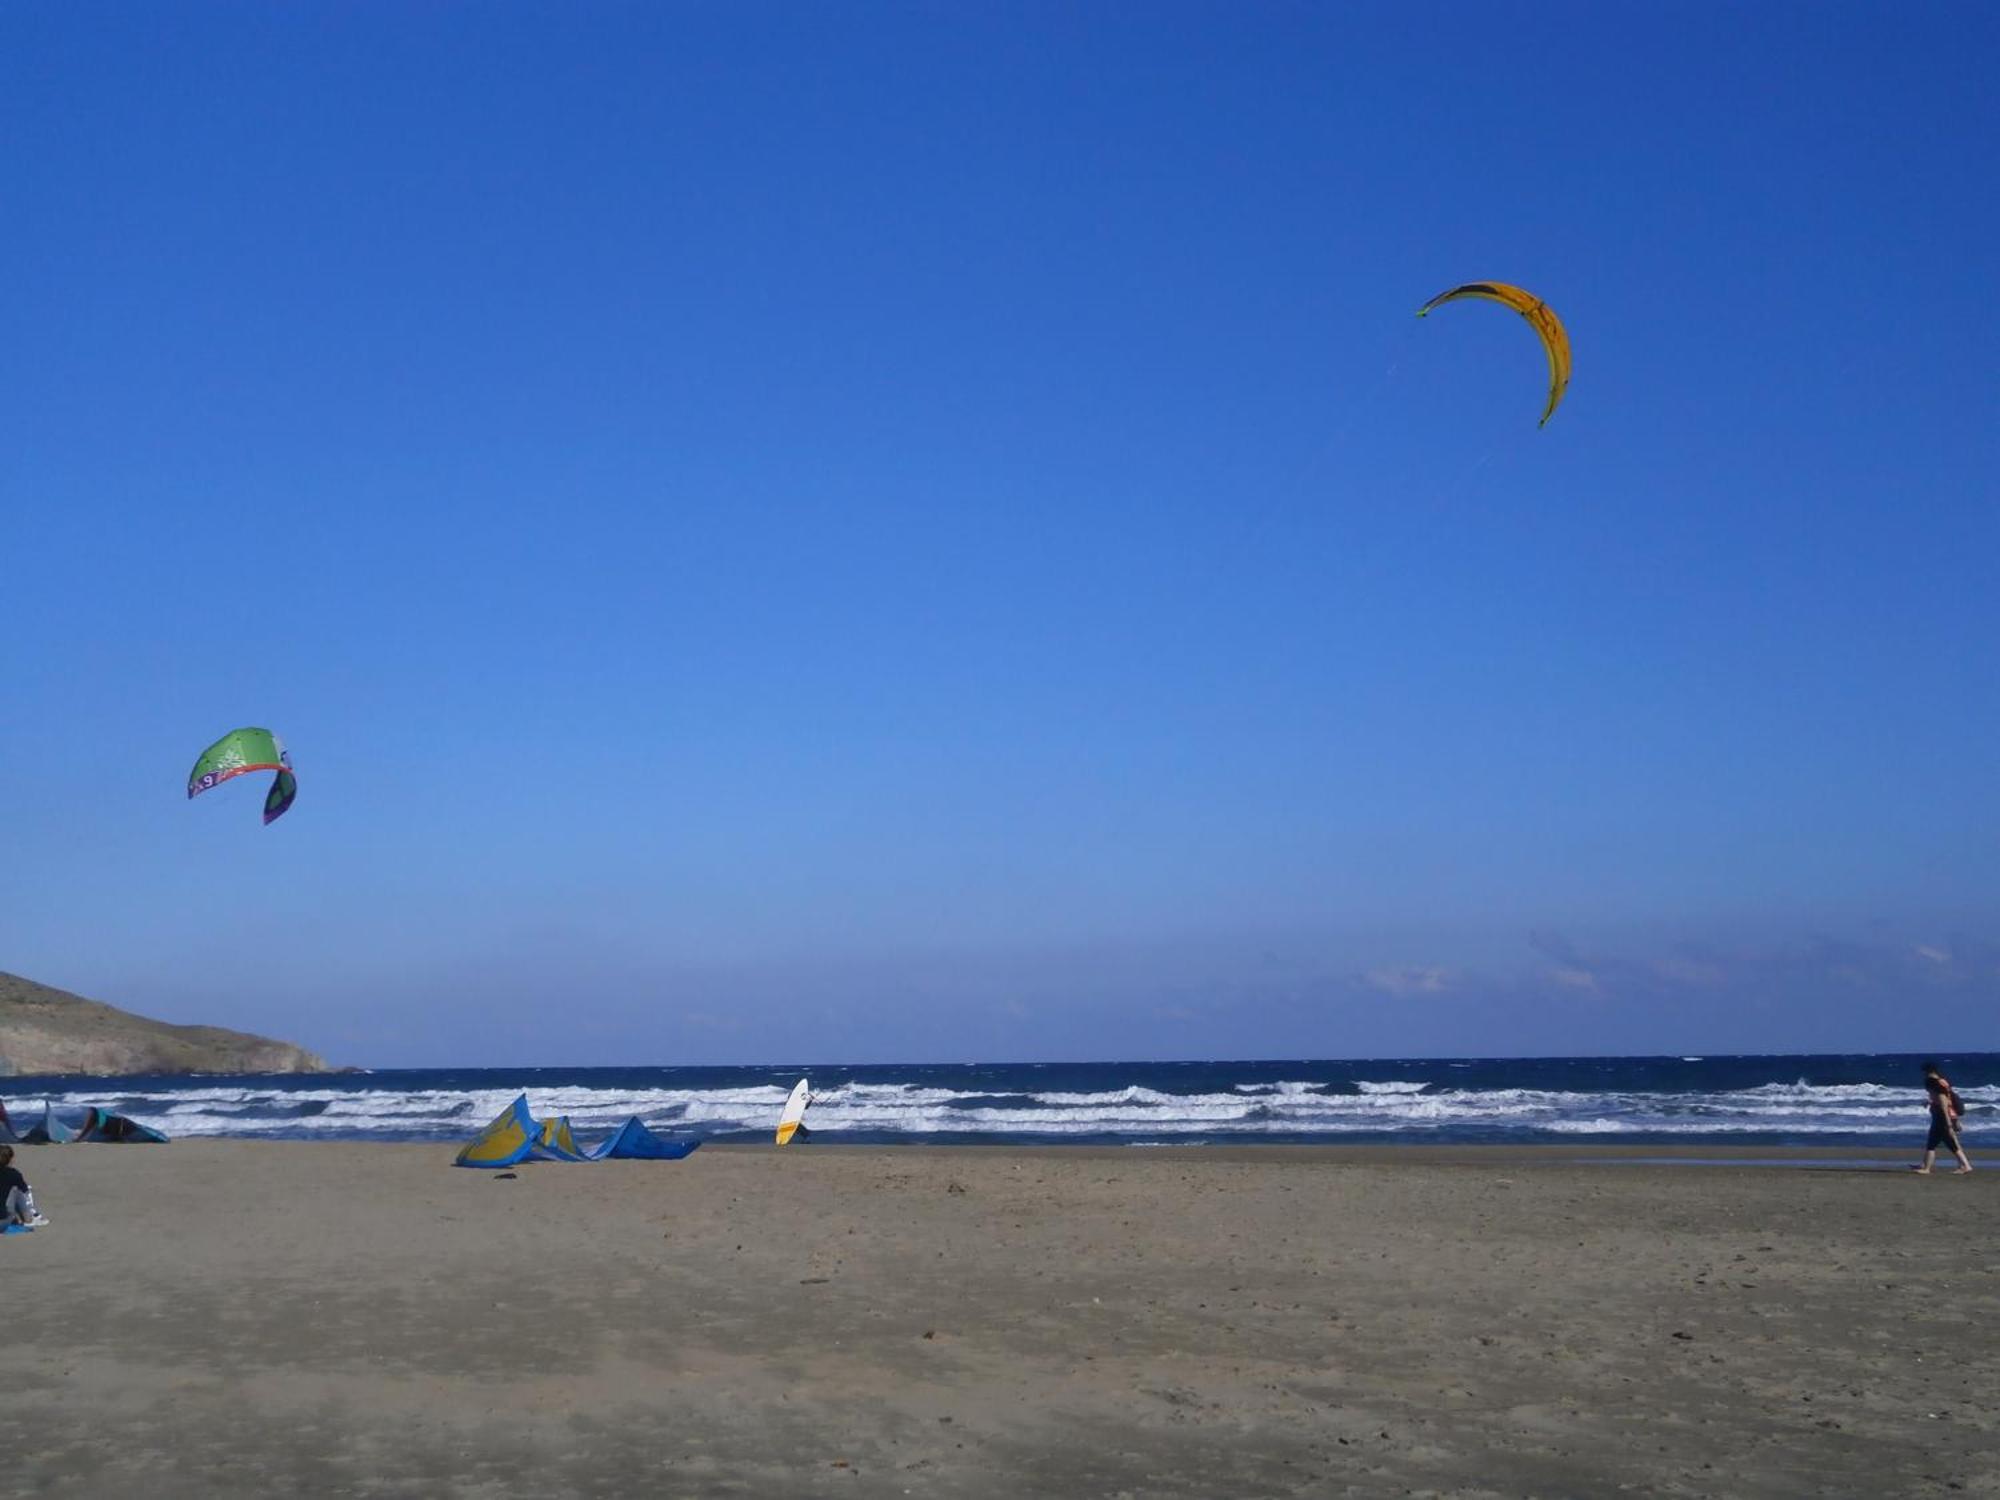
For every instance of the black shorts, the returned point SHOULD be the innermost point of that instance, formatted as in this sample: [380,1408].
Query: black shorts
[1943,1133]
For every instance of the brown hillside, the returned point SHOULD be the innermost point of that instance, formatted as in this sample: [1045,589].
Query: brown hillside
[45,1030]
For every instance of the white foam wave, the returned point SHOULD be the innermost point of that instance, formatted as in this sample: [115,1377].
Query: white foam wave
[890,1110]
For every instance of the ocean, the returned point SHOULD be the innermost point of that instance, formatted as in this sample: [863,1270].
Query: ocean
[1774,1100]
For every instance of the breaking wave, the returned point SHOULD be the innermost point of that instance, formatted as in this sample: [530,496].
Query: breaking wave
[1716,1099]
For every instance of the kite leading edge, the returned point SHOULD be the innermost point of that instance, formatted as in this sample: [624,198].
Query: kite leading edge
[1539,315]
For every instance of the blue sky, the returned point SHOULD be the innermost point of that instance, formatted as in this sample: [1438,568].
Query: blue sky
[883,532]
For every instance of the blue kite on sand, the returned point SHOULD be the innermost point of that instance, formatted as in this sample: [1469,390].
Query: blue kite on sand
[515,1135]
[634,1140]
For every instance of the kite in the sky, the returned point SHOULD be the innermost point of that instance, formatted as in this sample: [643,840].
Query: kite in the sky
[1537,312]
[243,750]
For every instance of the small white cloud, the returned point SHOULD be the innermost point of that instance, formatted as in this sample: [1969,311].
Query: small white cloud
[1575,979]
[1935,955]
[1409,979]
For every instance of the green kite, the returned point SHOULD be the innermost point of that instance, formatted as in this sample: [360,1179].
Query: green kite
[243,750]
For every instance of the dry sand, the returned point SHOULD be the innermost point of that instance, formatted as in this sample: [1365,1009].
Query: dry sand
[249,1318]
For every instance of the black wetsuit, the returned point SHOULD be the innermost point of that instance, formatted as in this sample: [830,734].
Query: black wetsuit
[11,1178]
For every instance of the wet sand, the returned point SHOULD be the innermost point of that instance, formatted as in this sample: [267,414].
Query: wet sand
[252,1318]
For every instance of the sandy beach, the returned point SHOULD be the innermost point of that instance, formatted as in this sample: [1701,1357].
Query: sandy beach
[252,1318]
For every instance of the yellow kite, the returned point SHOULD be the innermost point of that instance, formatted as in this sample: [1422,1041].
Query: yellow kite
[1538,313]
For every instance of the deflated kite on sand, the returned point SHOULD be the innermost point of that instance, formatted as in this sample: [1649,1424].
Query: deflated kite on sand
[56,1128]
[515,1135]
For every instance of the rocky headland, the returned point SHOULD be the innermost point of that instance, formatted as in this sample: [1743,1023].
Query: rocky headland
[44,1030]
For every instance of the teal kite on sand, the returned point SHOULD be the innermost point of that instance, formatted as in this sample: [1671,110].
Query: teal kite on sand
[86,1124]
[243,750]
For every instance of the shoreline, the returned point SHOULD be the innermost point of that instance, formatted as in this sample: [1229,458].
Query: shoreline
[1374,1154]
[1494,1153]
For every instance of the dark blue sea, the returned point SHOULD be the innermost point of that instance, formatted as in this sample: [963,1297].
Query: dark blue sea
[1782,1100]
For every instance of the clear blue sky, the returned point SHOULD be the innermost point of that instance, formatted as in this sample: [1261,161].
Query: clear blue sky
[931,531]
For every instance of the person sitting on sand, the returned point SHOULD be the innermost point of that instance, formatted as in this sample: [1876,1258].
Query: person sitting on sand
[1947,1110]
[17,1199]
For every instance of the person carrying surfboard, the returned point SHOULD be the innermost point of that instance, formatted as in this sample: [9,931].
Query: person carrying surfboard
[1947,1111]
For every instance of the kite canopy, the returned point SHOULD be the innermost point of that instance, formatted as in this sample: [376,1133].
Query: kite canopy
[87,1124]
[243,750]
[556,1141]
[633,1139]
[509,1139]
[515,1135]
[1555,341]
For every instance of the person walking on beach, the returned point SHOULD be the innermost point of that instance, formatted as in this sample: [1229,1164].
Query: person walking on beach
[17,1199]
[1947,1110]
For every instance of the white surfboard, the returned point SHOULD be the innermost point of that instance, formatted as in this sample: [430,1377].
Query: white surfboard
[795,1111]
